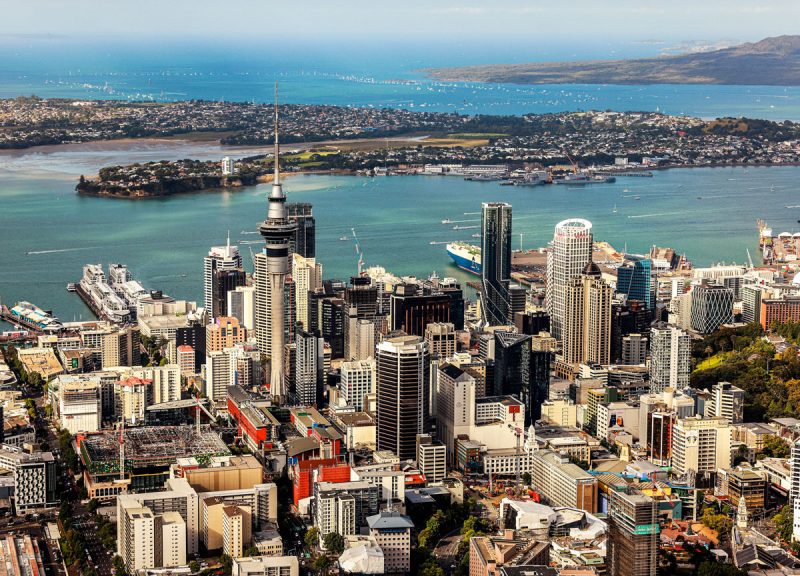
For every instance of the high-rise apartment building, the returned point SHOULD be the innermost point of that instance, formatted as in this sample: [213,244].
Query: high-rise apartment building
[219,258]
[358,379]
[587,318]
[496,263]
[633,535]
[224,332]
[79,406]
[307,277]
[242,306]
[751,303]
[726,401]
[309,368]
[634,349]
[670,357]
[570,252]
[454,406]
[403,377]
[224,282]
[701,445]
[441,339]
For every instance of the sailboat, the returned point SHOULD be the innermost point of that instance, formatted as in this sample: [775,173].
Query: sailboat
[615,209]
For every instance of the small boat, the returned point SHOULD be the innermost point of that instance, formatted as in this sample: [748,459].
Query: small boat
[447,221]
[344,237]
[476,235]
[71,287]
[637,197]
[615,209]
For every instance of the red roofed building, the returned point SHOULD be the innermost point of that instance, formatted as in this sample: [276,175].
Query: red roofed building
[254,422]
[326,470]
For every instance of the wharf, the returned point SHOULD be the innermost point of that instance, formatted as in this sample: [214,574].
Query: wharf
[5,314]
[90,303]
[631,174]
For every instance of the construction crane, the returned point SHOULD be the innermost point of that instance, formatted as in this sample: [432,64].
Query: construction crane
[197,414]
[518,433]
[122,449]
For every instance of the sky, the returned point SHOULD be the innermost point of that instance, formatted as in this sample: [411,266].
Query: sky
[398,21]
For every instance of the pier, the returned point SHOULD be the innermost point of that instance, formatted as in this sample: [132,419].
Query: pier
[6,315]
[89,302]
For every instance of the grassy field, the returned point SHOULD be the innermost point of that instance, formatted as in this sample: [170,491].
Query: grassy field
[715,360]
[450,142]
[476,135]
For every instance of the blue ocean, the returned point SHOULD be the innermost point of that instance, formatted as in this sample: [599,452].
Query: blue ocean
[356,75]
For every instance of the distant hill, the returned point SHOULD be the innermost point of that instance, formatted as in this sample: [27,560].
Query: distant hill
[772,61]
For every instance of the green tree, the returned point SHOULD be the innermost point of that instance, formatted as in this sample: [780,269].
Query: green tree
[226,562]
[526,478]
[783,522]
[334,542]
[251,551]
[312,537]
[194,566]
[322,563]
[775,447]
[93,505]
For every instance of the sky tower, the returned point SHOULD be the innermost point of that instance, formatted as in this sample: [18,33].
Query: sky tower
[277,230]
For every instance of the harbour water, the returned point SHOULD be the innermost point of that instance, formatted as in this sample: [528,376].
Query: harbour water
[47,232]
[351,75]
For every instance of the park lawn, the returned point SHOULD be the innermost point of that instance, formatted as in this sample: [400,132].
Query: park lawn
[712,362]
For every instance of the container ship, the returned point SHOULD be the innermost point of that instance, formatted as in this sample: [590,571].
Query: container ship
[466,256]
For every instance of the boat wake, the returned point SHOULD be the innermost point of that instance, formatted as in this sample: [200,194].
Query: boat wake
[55,251]
[656,215]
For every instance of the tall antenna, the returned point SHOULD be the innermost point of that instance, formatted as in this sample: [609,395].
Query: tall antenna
[277,179]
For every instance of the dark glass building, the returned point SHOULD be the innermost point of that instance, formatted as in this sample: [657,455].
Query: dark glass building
[304,240]
[224,281]
[635,279]
[496,262]
[326,315]
[633,317]
[413,307]
[402,393]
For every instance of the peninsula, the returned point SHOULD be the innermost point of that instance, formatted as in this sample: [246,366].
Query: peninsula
[545,141]
[772,61]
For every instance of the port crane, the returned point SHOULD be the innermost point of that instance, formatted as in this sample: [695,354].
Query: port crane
[571,161]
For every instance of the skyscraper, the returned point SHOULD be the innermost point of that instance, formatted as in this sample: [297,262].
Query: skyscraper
[224,281]
[634,279]
[587,318]
[633,535]
[670,357]
[496,263]
[277,231]
[219,258]
[712,306]
[303,242]
[402,378]
[307,276]
[308,371]
[570,252]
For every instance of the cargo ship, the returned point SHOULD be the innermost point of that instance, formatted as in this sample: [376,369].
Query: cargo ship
[466,256]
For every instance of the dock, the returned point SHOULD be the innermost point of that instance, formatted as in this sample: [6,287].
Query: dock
[5,314]
[89,302]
